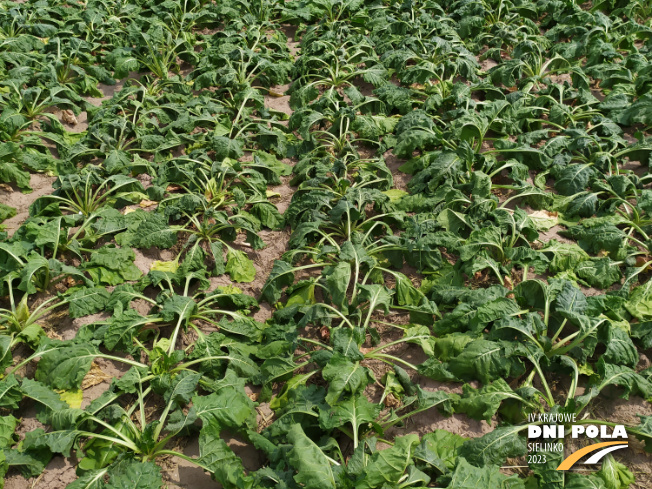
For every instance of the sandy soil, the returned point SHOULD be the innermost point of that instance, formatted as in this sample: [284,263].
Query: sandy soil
[400,179]
[181,474]
[72,123]
[12,196]
[279,101]
[57,474]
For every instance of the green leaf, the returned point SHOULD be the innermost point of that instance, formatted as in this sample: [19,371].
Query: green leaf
[282,275]
[356,411]
[100,453]
[11,172]
[30,462]
[10,392]
[620,349]
[618,375]
[239,267]
[229,407]
[153,231]
[217,251]
[112,266]
[614,474]
[65,367]
[572,179]
[443,446]
[373,126]
[644,431]
[546,473]
[55,441]
[7,428]
[570,299]
[226,148]
[90,480]
[388,466]
[337,279]
[601,272]
[218,458]
[564,256]
[435,369]
[130,474]
[313,467]
[6,212]
[484,402]
[406,293]
[185,385]
[376,295]
[6,357]
[639,304]
[637,112]
[346,341]
[596,237]
[494,447]
[271,162]
[178,308]
[130,380]
[45,396]
[269,215]
[467,476]
[302,294]
[344,376]
[122,328]
[486,361]
[86,301]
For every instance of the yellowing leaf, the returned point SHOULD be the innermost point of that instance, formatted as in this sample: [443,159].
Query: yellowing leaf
[229,289]
[395,194]
[586,369]
[73,398]
[544,220]
[239,267]
[164,266]
[160,346]
[147,203]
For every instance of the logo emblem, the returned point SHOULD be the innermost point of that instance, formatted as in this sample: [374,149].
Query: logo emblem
[547,435]
[603,449]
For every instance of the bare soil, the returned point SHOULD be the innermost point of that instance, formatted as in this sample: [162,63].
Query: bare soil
[12,196]
[57,474]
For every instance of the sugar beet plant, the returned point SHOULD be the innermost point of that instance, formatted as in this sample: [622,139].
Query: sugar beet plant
[467,234]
